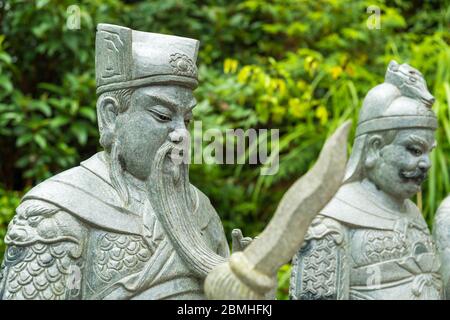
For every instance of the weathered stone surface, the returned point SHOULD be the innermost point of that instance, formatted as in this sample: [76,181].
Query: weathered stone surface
[371,241]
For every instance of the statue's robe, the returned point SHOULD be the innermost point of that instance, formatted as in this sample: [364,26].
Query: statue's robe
[358,249]
[72,239]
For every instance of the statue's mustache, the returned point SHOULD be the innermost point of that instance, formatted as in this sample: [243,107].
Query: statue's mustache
[417,174]
[178,153]
[169,159]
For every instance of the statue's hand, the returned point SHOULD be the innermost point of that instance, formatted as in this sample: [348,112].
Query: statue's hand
[238,241]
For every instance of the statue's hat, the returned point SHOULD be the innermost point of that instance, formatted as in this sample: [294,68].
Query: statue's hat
[127,58]
[402,101]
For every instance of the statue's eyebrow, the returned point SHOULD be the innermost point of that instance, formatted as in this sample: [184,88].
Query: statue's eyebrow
[170,103]
[165,101]
[416,139]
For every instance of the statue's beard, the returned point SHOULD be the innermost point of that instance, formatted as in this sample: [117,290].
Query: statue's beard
[169,170]
[174,202]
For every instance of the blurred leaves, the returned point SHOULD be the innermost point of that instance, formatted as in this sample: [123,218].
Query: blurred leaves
[299,66]
[9,200]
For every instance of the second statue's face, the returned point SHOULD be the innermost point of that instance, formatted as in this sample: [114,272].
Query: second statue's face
[399,168]
[154,113]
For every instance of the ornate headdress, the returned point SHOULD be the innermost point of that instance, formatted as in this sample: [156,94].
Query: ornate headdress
[402,101]
[127,58]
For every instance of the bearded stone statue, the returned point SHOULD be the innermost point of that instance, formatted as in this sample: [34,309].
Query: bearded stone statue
[371,241]
[126,223]
[91,232]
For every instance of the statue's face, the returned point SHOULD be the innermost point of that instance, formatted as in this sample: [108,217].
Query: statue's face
[154,113]
[399,168]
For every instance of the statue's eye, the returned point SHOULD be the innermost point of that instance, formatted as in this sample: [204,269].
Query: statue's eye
[414,151]
[412,79]
[160,116]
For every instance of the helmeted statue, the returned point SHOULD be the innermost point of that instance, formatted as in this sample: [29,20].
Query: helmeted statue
[370,241]
[126,223]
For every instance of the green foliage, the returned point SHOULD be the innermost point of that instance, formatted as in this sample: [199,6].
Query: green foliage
[302,67]
[308,81]
[9,200]
[284,275]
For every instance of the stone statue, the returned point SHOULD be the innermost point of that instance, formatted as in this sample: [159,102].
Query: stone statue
[371,241]
[126,223]
[441,234]
[91,232]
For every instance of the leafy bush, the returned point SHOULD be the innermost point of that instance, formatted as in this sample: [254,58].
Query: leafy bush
[9,200]
[301,67]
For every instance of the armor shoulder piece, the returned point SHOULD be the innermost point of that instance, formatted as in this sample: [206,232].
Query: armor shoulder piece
[319,269]
[350,206]
[41,261]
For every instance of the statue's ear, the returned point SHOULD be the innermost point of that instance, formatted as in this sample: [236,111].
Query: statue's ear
[373,148]
[107,111]
[393,65]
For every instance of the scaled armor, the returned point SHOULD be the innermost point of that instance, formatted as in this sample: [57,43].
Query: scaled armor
[357,249]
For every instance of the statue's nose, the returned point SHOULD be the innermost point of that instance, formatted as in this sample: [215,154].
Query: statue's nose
[178,135]
[424,165]
[428,99]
